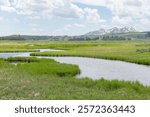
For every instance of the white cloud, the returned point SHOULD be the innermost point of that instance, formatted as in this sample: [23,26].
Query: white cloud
[36,9]
[124,12]
[128,8]
[65,8]
[6,6]
[121,21]
[62,8]
[134,8]
[92,15]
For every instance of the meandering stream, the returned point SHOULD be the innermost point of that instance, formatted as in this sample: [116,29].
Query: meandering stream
[100,68]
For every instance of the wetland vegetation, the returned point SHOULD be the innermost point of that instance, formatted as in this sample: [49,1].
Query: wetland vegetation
[34,78]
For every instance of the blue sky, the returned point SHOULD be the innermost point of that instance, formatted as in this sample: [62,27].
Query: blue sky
[71,17]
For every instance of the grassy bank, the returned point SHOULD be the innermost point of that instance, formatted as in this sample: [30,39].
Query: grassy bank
[36,66]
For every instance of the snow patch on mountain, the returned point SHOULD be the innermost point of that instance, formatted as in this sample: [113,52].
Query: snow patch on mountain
[114,30]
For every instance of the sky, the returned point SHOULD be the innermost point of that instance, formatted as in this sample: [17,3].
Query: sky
[71,17]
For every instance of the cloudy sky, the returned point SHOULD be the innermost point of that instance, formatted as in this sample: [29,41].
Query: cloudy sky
[71,17]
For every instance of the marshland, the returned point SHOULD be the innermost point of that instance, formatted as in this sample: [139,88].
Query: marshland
[32,77]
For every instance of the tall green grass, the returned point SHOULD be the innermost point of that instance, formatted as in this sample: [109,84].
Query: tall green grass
[21,82]
[44,66]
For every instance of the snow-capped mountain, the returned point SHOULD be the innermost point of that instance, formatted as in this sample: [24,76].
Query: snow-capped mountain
[114,30]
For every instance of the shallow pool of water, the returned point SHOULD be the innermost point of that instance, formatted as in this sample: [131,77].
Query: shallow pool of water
[45,50]
[15,54]
[24,54]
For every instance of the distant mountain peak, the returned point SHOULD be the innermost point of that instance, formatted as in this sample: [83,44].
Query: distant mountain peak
[113,30]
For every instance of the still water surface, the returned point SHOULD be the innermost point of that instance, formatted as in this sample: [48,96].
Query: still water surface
[100,68]
[109,69]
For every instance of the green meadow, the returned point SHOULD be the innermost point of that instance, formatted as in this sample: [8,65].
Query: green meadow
[34,78]
[135,52]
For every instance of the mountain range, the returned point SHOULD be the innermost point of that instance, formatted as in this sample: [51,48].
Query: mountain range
[114,30]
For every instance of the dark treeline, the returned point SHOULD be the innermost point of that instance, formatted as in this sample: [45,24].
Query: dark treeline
[12,38]
[148,34]
[115,38]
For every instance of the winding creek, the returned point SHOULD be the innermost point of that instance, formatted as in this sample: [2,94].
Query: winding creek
[99,68]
